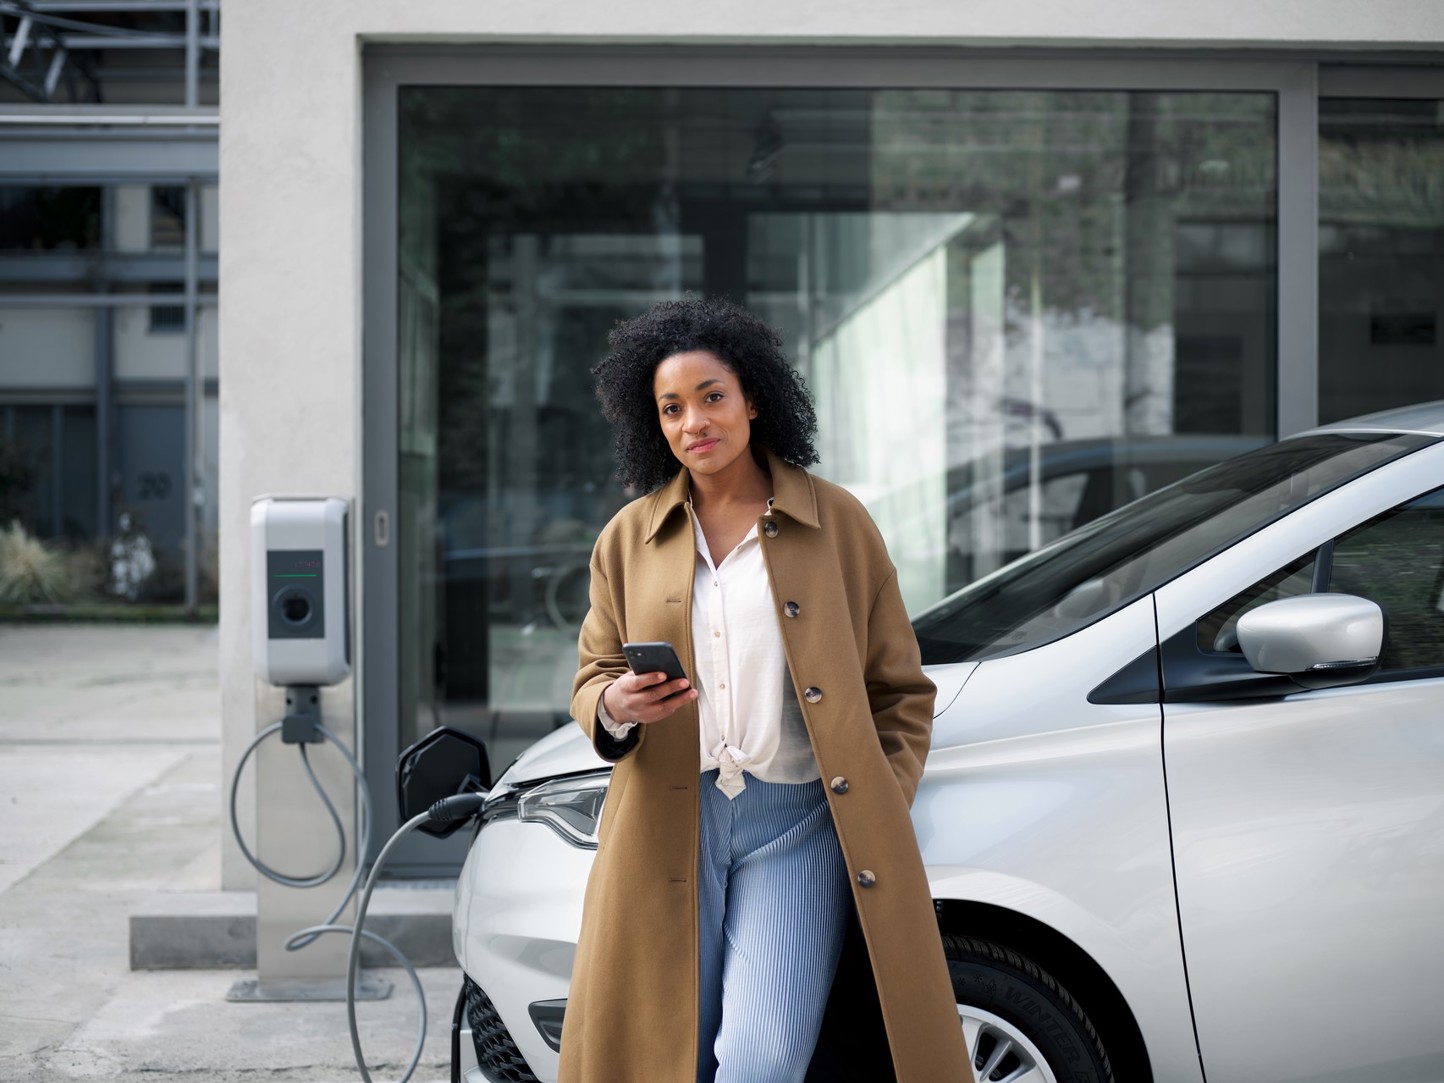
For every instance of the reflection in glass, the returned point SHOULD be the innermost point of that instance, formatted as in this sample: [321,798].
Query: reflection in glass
[37,218]
[1381,254]
[1017,310]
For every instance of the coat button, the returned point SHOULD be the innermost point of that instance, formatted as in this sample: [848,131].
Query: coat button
[812,695]
[839,785]
[865,878]
[791,609]
[770,529]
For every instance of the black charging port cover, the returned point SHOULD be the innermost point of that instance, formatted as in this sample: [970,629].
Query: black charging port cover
[442,764]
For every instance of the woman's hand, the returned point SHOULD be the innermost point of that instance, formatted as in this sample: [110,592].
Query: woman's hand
[646,697]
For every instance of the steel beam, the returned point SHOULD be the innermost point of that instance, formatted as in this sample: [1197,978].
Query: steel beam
[139,41]
[101,157]
[60,7]
[93,113]
[52,269]
[97,300]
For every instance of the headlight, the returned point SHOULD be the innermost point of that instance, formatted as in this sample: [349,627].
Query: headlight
[569,806]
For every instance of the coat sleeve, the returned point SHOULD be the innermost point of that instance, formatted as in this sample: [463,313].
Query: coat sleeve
[900,695]
[600,661]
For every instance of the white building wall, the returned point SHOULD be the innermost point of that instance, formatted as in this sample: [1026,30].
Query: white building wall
[210,200]
[132,217]
[291,222]
[143,354]
[47,348]
[133,213]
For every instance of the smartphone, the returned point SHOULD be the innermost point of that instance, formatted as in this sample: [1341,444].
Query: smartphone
[654,658]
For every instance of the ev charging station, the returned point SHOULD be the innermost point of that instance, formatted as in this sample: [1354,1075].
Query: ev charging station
[308,823]
[311,832]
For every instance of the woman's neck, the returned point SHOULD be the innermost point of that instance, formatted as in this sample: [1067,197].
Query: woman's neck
[747,483]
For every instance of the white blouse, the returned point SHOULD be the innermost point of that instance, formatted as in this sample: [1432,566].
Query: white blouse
[750,720]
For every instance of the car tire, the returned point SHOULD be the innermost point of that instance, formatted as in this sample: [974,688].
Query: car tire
[1021,1026]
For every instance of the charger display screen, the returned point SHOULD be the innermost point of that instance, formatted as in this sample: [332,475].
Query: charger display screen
[297,593]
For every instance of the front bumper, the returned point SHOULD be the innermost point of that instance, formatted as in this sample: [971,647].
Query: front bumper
[482,1049]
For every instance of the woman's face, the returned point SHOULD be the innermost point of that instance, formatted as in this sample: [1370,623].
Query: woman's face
[705,417]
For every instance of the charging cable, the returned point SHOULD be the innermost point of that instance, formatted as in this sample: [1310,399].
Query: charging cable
[302,726]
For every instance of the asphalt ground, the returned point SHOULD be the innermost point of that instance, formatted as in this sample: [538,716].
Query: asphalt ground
[111,795]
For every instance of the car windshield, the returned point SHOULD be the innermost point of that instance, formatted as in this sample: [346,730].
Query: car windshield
[1112,561]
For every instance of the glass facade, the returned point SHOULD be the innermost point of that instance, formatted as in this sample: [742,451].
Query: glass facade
[1016,310]
[1381,254]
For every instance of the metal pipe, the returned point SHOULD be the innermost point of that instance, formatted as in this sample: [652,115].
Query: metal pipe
[103,410]
[57,6]
[57,469]
[138,41]
[194,470]
[193,55]
[103,115]
[93,300]
[104,372]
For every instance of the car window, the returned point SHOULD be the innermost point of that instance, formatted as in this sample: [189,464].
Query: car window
[1395,559]
[1218,631]
[1126,554]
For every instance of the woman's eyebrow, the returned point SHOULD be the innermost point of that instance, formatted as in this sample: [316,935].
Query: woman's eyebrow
[704,384]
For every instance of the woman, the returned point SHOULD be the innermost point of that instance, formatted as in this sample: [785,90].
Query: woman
[756,808]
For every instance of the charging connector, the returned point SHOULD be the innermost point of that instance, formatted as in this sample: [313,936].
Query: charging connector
[302,722]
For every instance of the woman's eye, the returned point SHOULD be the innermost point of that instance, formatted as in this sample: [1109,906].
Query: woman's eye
[715,396]
[670,408]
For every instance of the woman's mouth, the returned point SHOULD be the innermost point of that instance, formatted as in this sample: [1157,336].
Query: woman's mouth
[701,446]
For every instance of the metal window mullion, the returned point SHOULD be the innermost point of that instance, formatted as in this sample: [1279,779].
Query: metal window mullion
[1298,250]
[193,54]
[57,468]
[192,383]
[104,375]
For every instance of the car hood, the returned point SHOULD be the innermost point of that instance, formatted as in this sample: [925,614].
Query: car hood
[567,751]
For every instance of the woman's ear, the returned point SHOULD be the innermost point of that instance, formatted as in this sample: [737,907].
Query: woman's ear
[751,410]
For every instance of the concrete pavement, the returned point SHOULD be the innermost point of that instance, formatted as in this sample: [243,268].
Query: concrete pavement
[111,797]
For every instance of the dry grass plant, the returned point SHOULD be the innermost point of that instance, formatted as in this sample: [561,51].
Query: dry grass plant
[31,573]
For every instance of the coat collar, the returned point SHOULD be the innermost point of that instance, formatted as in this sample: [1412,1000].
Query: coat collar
[792,495]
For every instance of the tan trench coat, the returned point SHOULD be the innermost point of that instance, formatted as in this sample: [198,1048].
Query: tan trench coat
[632,1010]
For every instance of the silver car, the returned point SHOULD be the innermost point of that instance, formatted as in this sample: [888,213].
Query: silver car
[1184,812]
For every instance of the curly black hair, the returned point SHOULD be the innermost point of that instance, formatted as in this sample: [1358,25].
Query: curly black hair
[785,423]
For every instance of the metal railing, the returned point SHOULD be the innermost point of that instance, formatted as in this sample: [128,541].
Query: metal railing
[47,44]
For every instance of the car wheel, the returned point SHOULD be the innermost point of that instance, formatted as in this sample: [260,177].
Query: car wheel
[1020,1025]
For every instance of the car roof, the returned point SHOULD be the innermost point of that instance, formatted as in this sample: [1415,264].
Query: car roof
[1425,417]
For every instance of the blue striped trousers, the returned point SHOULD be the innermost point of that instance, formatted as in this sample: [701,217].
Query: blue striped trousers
[773,901]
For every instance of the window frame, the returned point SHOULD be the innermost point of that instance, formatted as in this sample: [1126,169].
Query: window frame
[387,68]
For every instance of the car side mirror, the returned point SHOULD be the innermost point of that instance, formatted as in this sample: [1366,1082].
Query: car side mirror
[1316,640]
[442,764]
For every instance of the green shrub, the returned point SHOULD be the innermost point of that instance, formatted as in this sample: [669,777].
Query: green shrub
[30,572]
